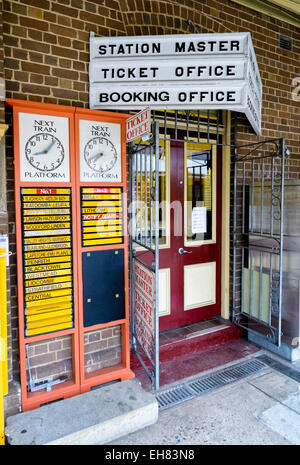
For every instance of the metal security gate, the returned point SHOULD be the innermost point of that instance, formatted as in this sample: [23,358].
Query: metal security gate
[144,252]
[259,172]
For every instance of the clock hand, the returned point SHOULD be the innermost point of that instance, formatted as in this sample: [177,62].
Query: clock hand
[47,150]
[94,157]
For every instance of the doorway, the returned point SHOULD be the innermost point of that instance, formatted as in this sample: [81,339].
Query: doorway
[190,261]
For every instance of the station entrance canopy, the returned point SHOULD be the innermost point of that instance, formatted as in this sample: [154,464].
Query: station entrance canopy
[182,71]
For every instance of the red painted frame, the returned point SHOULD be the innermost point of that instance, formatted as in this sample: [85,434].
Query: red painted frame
[80,382]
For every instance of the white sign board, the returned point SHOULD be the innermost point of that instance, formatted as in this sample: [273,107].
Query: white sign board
[100,151]
[44,148]
[138,125]
[184,71]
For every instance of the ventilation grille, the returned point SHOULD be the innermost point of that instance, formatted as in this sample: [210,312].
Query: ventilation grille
[177,394]
[285,43]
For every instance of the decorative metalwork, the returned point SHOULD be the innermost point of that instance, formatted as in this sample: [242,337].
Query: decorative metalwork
[258,237]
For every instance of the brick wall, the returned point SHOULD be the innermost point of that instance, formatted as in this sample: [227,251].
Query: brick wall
[46,54]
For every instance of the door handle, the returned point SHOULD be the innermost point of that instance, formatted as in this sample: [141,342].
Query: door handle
[181,251]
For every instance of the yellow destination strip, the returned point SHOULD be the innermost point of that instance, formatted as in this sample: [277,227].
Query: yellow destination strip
[46,205]
[31,248]
[51,321]
[49,304]
[102,210]
[101,235]
[100,203]
[46,198]
[43,240]
[53,211]
[51,280]
[101,197]
[102,229]
[47,232]
[49,253]
[38,312]
[30,191]
[48,274]
[39,219]
[93,190]
[102,241]
[47,295]
[51,287]
[47,315]
[39,227]
[48,329]
[46,261]
[101,222]
[45,267]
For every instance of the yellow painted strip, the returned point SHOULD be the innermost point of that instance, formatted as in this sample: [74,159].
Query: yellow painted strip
[37,191]
[47,254]
[50,287]
[47,295]
[51,321]
[42,240]
[100,222]
[3,343]
[100,229]
[48,329]
[101,197]
[101,242]
[46,315]
[46,205]
[101,190]
[45,267]
[51,280]
[48,274]
[46,198]
[53,211]
[31,248]
[39,227]
[46,261]
[39,219]
[102,210]
[88,236]
[101,203]
[47,305]
[47,232]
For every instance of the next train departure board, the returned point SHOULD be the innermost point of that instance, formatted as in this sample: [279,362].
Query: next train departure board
[101,216]
[47,244]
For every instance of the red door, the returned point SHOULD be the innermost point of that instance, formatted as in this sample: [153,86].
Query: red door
[193,259]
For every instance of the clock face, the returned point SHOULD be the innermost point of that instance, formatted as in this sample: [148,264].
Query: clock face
[100,154]
[45,152]
[44,148]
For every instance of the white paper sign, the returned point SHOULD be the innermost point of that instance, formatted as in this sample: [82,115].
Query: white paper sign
[44,148]
[199,220]
[138,125]
[100,151]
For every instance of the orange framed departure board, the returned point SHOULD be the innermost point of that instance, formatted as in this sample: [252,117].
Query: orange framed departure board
[72,249]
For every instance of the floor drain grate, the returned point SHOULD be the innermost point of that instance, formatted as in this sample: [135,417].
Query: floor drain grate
[177,394]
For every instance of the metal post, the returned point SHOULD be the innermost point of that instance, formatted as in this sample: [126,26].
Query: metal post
[281,239]
[156,385]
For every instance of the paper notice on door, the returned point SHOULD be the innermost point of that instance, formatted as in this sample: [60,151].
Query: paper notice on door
[199,220]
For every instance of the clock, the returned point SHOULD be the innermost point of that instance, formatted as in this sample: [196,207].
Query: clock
[100,151]
[44,152]
[44,147]
[100,154]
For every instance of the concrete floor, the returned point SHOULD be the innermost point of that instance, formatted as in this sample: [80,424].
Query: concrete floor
[263,409]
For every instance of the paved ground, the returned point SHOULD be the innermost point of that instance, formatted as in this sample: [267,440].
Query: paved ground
[263,409]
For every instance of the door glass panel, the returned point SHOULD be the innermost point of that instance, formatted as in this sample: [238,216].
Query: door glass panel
[199,193]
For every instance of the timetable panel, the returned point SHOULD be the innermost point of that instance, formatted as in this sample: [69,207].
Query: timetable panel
[47,259]
[101,216]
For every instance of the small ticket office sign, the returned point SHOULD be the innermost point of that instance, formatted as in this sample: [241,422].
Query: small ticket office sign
[138,125]
[144,315]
